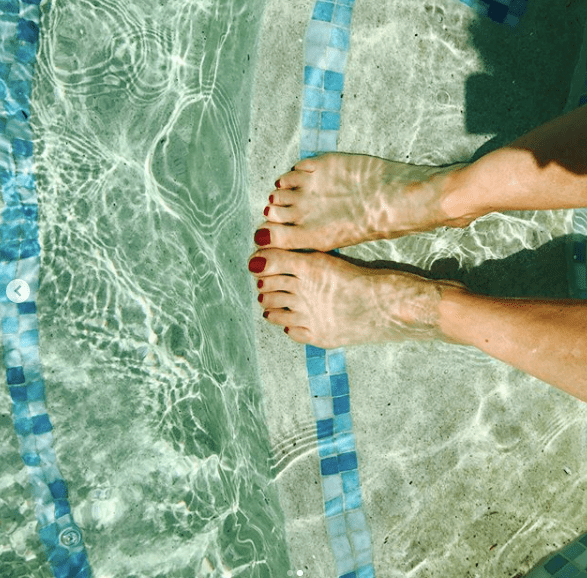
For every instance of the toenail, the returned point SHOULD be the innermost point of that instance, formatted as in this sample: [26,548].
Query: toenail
[277,184]
[286,329]
[265,314]
[263,237]
[266,211]
[257,264]
[260,284]
[260,298]
[271,199]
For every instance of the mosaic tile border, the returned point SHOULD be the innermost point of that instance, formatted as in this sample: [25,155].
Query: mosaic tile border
[325,53]
[20,259]
[570,562]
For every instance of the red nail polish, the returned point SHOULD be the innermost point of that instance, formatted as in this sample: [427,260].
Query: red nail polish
[266,211]
[286,329]
[260,298]
[257,264]
[271,199]
[263,237]
[265,314]
[277,184]
[260,284]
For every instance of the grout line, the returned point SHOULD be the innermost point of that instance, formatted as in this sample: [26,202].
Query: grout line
[19,266]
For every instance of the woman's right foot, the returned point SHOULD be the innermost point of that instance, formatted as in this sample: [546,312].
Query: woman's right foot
[340,199]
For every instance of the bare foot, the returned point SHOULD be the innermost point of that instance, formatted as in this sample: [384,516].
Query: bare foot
[340,199]
[328,302]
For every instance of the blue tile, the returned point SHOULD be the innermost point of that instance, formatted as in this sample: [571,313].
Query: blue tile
[336,362]
[345,442]
[333,80]
[10,7]
[28,31]
[324,428]
[366,571]
[22,147]
[27,307]
[573,550]
[332,100]
[339,38]
[316,365]
[313,76]
[48,535]
[10,326]
[326,447]
[61,508]
[14,375]
[349,575]
[555,564]
[313,97]
[323,11]
[333,507]
[329,466]
[58,489]
[41,424]
[341,404]
[31,460]
[343,423]
[312,351]
[36,391]
[569,571]
[347,461]
[18,393]
[352,500]
[330,121]
[310,119]
[347,2]
[342,16]
[339,384]
[320,386]
[23,427]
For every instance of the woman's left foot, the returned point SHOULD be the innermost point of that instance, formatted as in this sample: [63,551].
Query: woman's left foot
[328,302]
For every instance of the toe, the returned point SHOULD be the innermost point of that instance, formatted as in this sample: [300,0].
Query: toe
[291,180]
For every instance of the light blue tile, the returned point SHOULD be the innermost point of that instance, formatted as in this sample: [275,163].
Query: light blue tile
[352,500]
[344,442]
[327,140]
[334,60]
[313,98]
[333,80]
[326,447]
[342,16]
[366,572]
[311,119]
[330,121]
[332,487]
[333,507]
[361,540]
[336,362]
[322,407]
[356,520]
[341,549]
[320,385]
[364,557]
[314,76]
[342,423]
[336,526]
[332,100]
[339,38]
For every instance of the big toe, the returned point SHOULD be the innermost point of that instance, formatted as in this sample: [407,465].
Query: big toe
[284,237]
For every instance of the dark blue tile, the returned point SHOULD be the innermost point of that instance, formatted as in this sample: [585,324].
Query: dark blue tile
[329,466]
[27,307]
[349,575]
[339,384]
[14,375]
[41,424]
[347,461]
[58,489]
[312,351]
[30,248]
[48,535]
[341,404]
[555,564]
[18,393]
[325,428]
[28,31]
[61,508]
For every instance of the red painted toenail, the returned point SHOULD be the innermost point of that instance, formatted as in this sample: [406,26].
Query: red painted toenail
[266,211]
[260,284]
[271,199]
[260,298]
[257,264]
[263,237]
[286,329]
[277,184]
[265,314]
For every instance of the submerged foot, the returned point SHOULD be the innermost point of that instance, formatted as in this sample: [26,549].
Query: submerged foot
[340,199]
[328,302]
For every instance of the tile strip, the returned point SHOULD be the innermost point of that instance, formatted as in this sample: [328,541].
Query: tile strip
[501,11]
[20,260]
[325,54]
